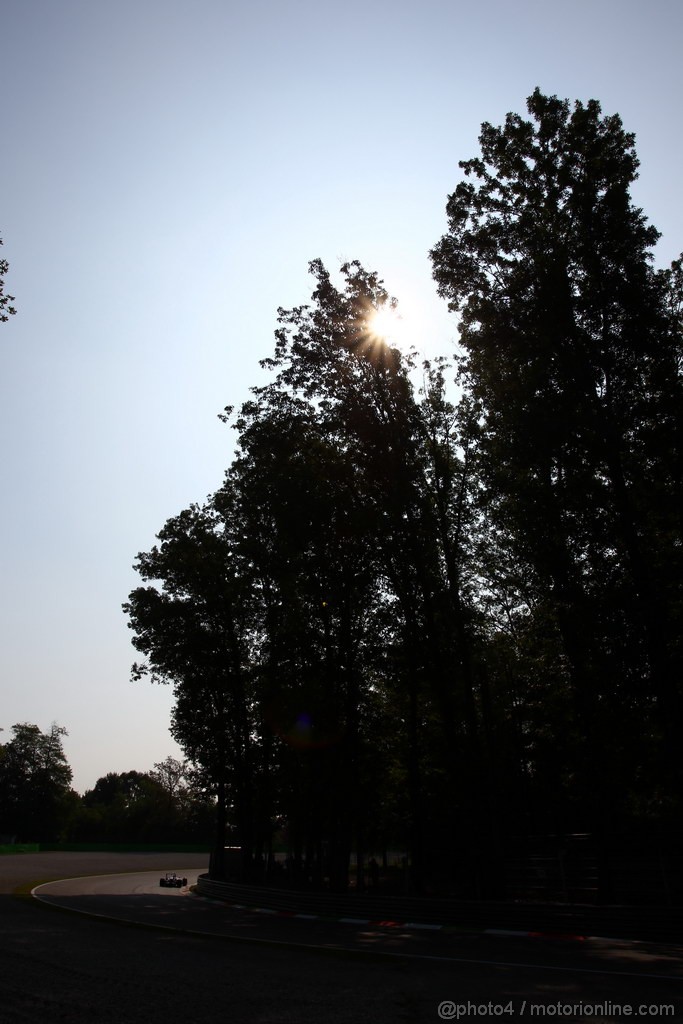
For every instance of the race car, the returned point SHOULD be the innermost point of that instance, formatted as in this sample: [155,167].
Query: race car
[172,881]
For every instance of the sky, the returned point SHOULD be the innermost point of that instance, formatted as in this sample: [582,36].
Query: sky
[167,171]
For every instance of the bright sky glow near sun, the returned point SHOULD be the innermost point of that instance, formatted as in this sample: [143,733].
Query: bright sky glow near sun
[168,171]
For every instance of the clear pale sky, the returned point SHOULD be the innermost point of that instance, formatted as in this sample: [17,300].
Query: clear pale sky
[168,170]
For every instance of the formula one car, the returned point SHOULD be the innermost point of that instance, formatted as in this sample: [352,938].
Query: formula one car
[172,881]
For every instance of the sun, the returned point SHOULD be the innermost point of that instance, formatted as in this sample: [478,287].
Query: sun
[385,325]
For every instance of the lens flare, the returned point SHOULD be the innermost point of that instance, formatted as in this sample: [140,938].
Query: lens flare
[300,729]
[385,325]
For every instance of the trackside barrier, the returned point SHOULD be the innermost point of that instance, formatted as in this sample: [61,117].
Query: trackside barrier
[649,923]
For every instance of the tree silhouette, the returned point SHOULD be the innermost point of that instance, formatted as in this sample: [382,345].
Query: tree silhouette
[35,783]
[573,356]
[434,624]
[6,308]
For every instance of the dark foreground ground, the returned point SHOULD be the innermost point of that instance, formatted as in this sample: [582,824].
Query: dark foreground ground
[60,967]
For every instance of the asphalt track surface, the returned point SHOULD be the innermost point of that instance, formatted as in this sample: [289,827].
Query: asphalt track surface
[130,951]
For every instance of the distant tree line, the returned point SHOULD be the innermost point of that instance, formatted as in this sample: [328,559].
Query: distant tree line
[37,803]
[436,606]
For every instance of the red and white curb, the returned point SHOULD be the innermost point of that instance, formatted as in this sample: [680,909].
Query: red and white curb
[363,922]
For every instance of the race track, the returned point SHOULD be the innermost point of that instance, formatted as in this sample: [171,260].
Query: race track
[197,961]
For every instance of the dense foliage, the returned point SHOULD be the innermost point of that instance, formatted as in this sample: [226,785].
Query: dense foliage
[37,805]
[405,621]
[574,359]
[162,806]
[35,783]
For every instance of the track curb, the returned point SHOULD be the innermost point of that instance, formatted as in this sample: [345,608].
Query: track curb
[361,922]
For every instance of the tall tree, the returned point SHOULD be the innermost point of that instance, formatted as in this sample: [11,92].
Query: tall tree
[321,602]
[314,567]
[193,623]
[573,356]
[410,496]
